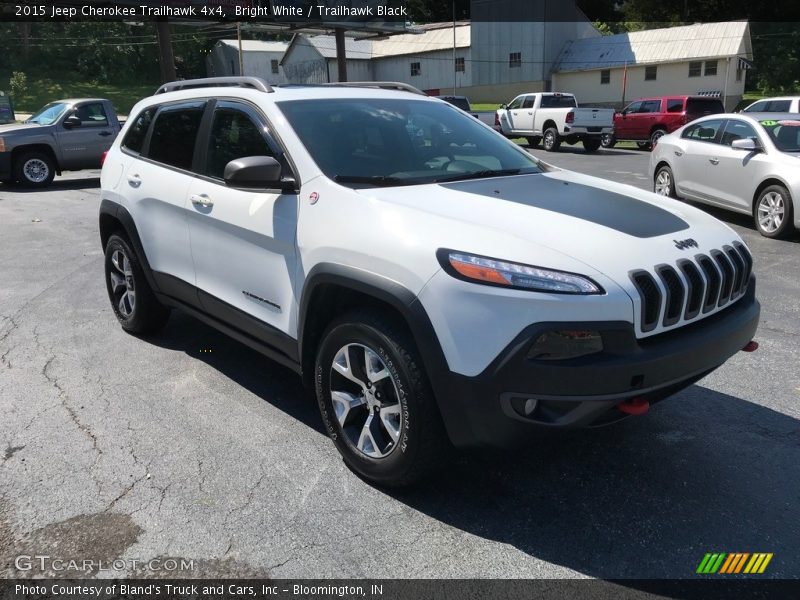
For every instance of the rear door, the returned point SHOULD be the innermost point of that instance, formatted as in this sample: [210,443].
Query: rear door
[156,183]
[243,240]
[83,145]
[645,120]
[696,164]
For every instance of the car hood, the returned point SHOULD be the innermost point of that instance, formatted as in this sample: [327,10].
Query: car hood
[17,127]
[612,228]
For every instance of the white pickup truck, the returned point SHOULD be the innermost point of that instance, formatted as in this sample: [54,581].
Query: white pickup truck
[552,118]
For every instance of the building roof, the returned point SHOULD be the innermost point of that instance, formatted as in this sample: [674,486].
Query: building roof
[435,37]
[653,46]
[257,45]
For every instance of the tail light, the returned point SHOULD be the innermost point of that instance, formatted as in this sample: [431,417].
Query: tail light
[570,117]
[496,119]
[103,157]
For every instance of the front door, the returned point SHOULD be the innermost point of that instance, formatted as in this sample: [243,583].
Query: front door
[243,241]
[83,145]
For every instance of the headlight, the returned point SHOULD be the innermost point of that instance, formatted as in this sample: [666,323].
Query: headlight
[490,271]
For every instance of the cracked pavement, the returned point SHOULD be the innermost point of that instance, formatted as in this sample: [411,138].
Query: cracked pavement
[113,446]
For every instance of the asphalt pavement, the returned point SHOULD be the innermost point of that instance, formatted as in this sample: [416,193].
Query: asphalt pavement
[188,445]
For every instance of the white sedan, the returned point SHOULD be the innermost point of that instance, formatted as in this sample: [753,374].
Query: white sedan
[748,163]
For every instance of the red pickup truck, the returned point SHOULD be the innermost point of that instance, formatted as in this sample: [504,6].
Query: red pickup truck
[647,119]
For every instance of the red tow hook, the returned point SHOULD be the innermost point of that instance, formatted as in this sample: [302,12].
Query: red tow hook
[634,406]
[751,346]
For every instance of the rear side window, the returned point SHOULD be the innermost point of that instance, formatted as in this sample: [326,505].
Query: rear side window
[675,105]
[704,106]
[233,135]
[705,131]
[174,135]
[779,106]
[134,139]
[558,102]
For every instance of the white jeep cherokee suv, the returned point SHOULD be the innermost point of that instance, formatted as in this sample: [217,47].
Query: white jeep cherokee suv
[437,284]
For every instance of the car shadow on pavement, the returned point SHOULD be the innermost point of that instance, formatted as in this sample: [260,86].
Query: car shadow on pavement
[57,185]
[647,498]
[270,381]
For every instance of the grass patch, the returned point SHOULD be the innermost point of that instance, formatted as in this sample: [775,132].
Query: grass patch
[40,91]
[485,106]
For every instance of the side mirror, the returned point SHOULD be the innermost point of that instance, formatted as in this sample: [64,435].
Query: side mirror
[260,172]
[72,121]
[745,144]
[504,106]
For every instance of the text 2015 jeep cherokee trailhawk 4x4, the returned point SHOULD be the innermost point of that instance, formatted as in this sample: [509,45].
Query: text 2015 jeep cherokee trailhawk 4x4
[434,281]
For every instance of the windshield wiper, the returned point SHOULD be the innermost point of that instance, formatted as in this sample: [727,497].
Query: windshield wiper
[479,175]
[377,180]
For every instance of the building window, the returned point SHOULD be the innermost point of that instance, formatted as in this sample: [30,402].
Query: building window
[739,73]
[695,68]
[415,69]
[650,73]
[515,60]
[605,76]
[233,69]
[274,64]
[460,68]
[711,67]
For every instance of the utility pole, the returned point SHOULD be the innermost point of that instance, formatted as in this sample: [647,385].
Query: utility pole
[241,54]
[455,74]
[341,54]
[166,59]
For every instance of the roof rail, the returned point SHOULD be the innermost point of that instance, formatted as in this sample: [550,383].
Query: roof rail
[185,84]
[385,85]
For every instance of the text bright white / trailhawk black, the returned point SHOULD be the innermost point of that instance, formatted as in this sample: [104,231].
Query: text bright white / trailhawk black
[435,283]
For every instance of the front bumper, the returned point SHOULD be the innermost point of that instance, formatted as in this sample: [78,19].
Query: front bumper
[493,408]
[5,165]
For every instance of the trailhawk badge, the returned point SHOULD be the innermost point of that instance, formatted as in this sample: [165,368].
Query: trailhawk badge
[687,243]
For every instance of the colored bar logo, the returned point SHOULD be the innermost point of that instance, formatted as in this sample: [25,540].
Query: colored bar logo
[727,563]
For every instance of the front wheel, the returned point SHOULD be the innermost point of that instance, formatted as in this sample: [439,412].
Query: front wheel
[773,212]
[134,304]
[375,400]
[591,144]
[551,140]
[34,169]
[664,182]
[607,140]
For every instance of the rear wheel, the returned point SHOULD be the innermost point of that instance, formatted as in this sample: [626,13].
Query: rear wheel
[376,402]
[34,169]
[591,144]
[655,136]
[773,212]
[551,140]
[134,304]
[534,141]
[643,145]
[607,140]
[664,182]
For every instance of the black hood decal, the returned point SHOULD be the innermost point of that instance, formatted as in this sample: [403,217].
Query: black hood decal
[616,211]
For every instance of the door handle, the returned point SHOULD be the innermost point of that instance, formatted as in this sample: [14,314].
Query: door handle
[134,180]
[104,133]
[201,200]
[713,161]
[678,153]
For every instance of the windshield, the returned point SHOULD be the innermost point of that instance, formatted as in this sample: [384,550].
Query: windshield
[382,142]
[49,114]
[784,134]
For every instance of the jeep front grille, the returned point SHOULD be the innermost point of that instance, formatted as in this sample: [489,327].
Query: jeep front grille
[690,289]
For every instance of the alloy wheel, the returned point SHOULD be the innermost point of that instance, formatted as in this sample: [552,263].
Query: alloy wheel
[663,183]
[35,170]
[366,400]
[123,286]
[771,210]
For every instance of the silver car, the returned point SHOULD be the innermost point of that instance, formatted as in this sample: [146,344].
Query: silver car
[748,163]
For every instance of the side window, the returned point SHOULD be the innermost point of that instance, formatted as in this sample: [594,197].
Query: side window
[705,131]
[757,107]
[528,102]
[779,106]
[633,107]
[674,105]
[134,138]
[517,102]
[233,135]
[92,114]
[737,130]
[174,135]
[651,106]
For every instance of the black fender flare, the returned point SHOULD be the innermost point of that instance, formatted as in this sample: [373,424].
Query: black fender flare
[120,214]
